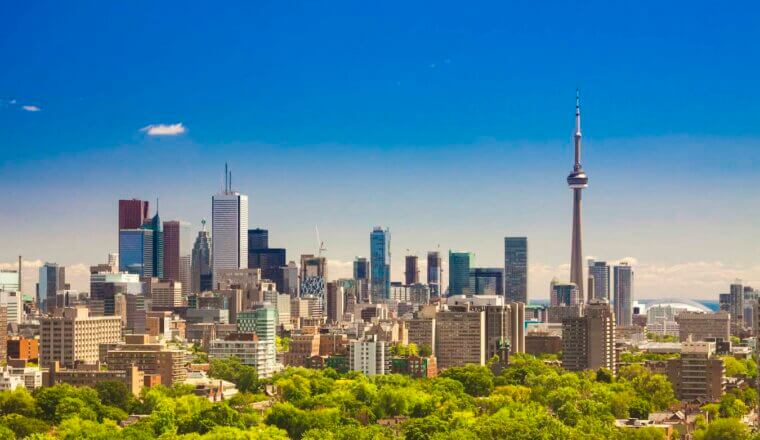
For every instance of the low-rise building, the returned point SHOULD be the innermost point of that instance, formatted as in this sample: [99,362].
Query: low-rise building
[90,375]
[249,348]
[703,326]
[152,358]
[72,335]
[371,357]
[698,373]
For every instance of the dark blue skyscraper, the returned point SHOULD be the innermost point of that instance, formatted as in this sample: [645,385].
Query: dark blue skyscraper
[516,269]
[156,226]
[459,272]
[269,260]
[380,263]
[434,273]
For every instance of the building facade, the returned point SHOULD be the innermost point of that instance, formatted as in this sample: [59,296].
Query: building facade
[623,294]
[516,269]
[459,273]
[380,263]
[71,335]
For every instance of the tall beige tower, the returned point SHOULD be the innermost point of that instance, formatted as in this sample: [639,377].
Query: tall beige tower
[589,340]
[577,180]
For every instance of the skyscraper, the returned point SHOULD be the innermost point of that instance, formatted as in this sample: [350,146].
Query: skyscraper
[361,268]
[516,269]
[269,260]
[589,340]
[361,277]
[132,215]
[201,262]
[258,239]
[459,272]
[171,250]
[380,263]
[412,273]
[434,273]
[486,281]
[155,225]
[229,228]
[577,180]
[736,302]
[136,252]
[52,279]
[600,272]
[623,294]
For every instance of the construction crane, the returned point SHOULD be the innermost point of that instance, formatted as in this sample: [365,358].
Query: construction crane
[320,244]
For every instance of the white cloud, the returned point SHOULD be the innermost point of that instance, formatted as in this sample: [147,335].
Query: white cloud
[164,129]
[693,279]
[31,108]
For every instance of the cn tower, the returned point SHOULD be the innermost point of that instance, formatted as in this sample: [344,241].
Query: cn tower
[577,180]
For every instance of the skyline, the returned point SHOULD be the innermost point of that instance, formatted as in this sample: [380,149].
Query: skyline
[451,130]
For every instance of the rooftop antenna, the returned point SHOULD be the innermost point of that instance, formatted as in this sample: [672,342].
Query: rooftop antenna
[230,181]
[226,177]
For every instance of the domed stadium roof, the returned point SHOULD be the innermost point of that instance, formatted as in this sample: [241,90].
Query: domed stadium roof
[680,303]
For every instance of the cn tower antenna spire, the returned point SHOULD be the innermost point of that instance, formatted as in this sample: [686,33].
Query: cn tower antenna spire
[577,135]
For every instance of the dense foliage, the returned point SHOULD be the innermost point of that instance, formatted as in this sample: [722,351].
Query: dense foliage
[528,400]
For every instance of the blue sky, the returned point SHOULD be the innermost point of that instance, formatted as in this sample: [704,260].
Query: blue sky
[450,125]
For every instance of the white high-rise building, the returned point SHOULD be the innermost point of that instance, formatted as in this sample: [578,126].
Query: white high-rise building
[229,229]
[14,303]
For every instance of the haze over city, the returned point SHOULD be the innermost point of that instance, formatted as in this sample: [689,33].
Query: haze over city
[451,130]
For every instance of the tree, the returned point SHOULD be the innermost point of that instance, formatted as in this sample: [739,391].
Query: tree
[18,401]
[724,429]
[425,350]
[477,380]
[115,394]
[231,369]
[24,426]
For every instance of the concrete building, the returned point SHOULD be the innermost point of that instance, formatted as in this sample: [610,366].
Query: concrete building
[14,305]
[599,271]
[249,348]
[335,302]
[89,375]
[371,357]
[702,326]
[623,294]
[589,341]
[460,338]
[564,294]
[542,342]
[698,373]
[166,294]
[150,357]
[21,348]
[71,335]
[516,269]
[412,270]
[422,332]
[302,347]
[434,273]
